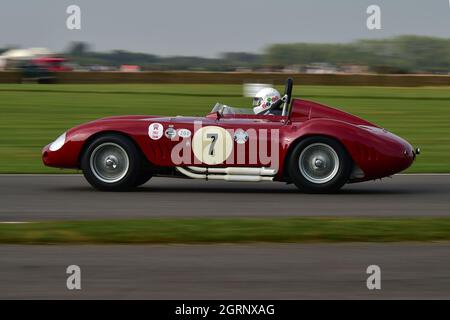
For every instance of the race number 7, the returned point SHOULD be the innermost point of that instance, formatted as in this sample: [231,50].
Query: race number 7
[213,137]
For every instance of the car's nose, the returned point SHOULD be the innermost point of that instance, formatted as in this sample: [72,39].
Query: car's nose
[46,155]
[407,155]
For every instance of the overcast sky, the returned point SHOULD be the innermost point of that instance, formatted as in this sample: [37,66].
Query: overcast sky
[208,27]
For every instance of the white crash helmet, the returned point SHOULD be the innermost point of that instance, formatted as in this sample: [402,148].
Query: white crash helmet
[264,99]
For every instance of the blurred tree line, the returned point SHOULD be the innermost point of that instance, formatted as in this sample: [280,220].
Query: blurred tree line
[403,54]
[81,54]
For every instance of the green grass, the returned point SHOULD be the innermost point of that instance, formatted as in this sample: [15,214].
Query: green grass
[33,115]
[223,230]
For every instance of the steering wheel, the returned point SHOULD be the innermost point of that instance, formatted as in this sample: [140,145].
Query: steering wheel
[274,106]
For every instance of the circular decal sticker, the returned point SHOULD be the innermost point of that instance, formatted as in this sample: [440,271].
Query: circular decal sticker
[212,145]
[184,133]
[170,133]
[155,131]
[240,136]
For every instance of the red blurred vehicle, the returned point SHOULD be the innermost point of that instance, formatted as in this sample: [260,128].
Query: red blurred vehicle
[52,64]
[316,147]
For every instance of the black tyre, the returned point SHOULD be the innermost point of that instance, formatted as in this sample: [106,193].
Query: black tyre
[112,163]
[144,176]
[319,165]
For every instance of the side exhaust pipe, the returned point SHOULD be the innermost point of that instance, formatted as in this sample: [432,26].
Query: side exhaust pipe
[226,177]
[236,170]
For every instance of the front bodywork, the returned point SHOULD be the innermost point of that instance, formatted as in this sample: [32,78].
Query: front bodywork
[376,153]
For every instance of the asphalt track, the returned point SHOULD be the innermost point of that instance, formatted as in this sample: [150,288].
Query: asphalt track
[266,271]
[69,197]
[260,271]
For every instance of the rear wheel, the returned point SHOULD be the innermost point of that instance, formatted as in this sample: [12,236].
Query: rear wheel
[112,163]
[319,165]
[144,176]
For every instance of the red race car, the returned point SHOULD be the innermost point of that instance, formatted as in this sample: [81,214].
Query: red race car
[316,147]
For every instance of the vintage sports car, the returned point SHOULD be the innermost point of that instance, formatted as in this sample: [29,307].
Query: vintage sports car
[316,147]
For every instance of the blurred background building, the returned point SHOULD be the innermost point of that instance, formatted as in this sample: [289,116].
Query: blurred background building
[397,55]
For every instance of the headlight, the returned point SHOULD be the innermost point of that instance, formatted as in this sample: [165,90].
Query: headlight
[58,143]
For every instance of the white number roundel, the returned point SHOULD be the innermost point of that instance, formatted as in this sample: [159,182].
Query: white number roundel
[212,145]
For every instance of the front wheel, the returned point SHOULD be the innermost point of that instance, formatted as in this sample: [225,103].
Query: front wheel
[111,163]
[319,165]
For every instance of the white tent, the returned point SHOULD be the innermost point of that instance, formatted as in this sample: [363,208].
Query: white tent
[17,54]
[40,52]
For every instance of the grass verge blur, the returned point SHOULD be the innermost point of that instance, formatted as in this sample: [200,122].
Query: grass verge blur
[32,115]
[223,230]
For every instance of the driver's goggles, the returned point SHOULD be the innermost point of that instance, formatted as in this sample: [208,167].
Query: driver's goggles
[257,101]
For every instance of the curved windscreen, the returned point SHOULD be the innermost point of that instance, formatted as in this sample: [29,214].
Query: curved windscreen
[224,109]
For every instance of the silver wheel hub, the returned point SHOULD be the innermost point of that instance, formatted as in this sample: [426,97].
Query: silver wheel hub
[109,162]
[318,163]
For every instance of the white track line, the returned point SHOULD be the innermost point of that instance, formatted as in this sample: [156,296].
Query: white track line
[39,174]
[13,222]
[79,174]
[422,174]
